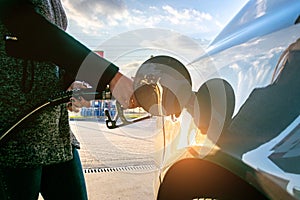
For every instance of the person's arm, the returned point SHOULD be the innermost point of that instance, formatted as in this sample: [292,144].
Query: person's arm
[31,36]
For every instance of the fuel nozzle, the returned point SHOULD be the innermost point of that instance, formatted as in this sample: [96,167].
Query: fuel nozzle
[162,86]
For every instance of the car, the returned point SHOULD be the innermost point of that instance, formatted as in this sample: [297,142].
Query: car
[248,146]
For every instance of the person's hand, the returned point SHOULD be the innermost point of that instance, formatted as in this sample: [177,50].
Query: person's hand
[75,104]
[122,89]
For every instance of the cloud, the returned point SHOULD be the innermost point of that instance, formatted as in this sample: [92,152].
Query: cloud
[92,15]
[185,15]
[103,18]
[95,8]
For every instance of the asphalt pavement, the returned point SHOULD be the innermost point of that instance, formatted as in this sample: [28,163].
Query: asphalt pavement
[118,163]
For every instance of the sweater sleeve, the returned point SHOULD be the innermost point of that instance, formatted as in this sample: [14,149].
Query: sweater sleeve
[31,36]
